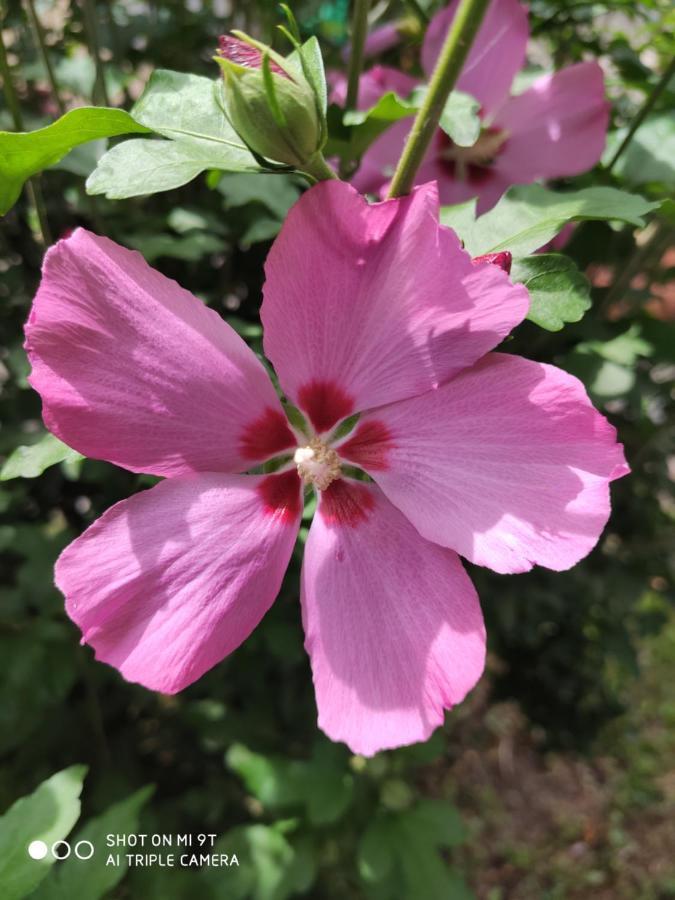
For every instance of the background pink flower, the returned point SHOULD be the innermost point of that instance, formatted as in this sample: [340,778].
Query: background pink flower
[368,309]
[554,129]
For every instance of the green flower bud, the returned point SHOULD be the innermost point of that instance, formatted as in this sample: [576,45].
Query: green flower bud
[270,102]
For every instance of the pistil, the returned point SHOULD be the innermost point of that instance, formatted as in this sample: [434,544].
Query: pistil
[317,464]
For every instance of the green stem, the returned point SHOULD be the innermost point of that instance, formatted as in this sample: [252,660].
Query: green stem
[35,194]
[359,34]
[8,86]
[33,185]
[318,168]
[89,10]
[647,107]
[42,46]
[457,44]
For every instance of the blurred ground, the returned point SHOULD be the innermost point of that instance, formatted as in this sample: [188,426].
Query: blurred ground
[546,825]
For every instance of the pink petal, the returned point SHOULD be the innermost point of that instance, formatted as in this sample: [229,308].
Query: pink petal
[379,162]
[392,623]
[496,55]
[557,127]
[374,83]
[243,54]
[366,304]
[134,369]
[509,464]
[379,40]
[166,584]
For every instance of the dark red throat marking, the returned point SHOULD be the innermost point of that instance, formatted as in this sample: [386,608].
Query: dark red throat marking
[369,446]
[281,496]
[345,504]
[325,403]
[268,435]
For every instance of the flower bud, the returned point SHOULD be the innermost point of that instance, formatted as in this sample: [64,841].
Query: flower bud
[270,102]
[503,260]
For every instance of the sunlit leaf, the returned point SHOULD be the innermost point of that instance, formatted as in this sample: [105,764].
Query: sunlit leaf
[31,461]
[529,216]
[22,154]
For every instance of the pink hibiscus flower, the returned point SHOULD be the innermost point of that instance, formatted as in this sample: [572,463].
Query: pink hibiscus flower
[374,310]
[554,129]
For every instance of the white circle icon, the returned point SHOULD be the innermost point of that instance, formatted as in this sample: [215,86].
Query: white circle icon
[37,849]
[59,844]
[79,852]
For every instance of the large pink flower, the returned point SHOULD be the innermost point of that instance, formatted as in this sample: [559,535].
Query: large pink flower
[554,129]
[374,310]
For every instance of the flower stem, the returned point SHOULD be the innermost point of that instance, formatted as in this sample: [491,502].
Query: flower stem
[44,53]
[318,169]
[91,29]
[359,33]
[647,107]
[457,44]
[33,184]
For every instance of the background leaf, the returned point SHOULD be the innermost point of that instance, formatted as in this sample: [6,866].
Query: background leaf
[92,878]
[460,120]
[46,815]
[31,461]
[559,293]
[529,216]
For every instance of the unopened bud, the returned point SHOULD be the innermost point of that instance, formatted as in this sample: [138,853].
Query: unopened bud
[503,260]
[269,102]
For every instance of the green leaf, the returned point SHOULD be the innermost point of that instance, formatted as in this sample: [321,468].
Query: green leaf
[376,852]
[92,878]
[321,784]
[459,119]
[649,158]
[190,247]
[359,128]
[436,822]
[559,292]
[272,781]
[39,662]
[529,216]
[46,815]
[272,866]
[624,349]
[140,167]
[22,154]
[461,217]
[31,461]
[276,192]
[184,109]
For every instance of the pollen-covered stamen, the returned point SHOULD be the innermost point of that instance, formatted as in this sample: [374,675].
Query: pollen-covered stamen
[317,464]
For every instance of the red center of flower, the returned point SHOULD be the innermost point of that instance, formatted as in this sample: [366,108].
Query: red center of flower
[471,164]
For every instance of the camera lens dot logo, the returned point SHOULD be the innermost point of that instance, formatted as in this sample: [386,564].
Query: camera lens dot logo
[37,849]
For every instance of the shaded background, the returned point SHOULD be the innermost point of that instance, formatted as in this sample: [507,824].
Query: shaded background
[555,779]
